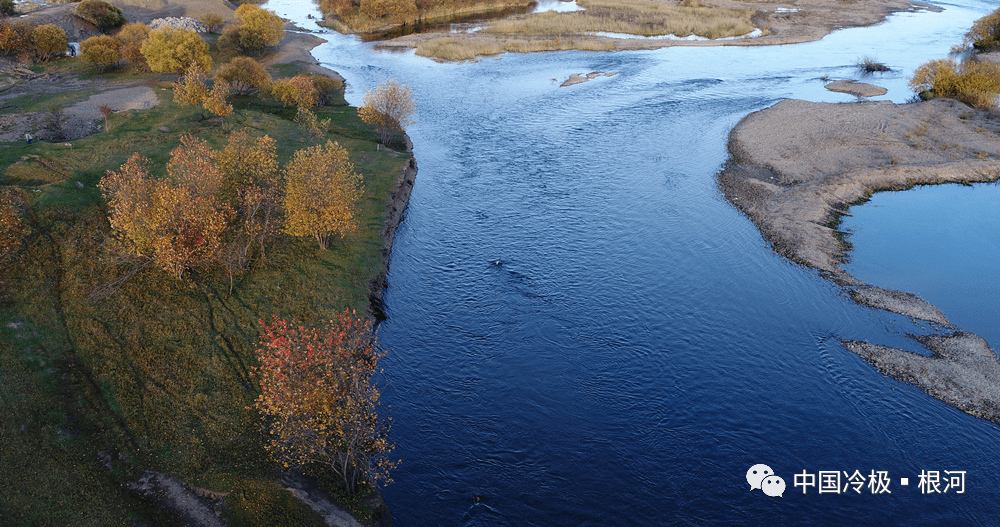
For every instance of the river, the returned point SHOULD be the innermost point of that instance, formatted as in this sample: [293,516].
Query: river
[581,331]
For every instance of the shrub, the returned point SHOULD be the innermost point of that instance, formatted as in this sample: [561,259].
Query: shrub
[102,51]
[870,65]
[48,39]
[974,83]
[212,22]
[245,76]
[102,14]
[985,32]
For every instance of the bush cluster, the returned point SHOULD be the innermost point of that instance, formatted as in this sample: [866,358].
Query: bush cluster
[27,42]
[985,32]
[102,14]
[975,83]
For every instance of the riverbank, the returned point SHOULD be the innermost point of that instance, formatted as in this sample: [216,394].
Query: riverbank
[767,23]
[154,380]
[797,166]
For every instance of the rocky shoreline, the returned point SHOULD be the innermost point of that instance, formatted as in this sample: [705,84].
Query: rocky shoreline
[796,167]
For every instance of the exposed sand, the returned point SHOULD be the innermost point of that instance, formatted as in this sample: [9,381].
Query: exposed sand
[795,168]
[788,22]
[857,89]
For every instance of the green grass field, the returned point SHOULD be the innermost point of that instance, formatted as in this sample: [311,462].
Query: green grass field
[158,375]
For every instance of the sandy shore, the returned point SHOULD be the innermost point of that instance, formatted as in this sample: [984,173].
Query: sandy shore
[786,23]
[798,165]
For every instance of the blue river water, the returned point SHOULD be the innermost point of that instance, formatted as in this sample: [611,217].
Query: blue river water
[639,346]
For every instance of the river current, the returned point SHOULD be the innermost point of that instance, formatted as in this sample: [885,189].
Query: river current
[581,331]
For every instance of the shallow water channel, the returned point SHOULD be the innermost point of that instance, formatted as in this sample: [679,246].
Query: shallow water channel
[639,346]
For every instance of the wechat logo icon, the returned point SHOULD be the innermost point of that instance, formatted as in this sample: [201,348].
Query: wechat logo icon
[762,477]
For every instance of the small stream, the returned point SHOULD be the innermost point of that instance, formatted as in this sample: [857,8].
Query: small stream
[582,331]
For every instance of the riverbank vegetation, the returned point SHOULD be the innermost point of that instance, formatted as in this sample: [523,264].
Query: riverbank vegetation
[364,16]
[119,359]
[646,18]
[974,81]
[469,49]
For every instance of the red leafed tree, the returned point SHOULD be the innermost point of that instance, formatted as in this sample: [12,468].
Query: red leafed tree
[319,400]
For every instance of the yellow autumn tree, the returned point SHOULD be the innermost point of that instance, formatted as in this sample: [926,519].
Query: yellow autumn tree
[389,107]
[48,39]
[173,50]
[251,185]
[244,75]
[177,222]
[321,193]
[191,90]
[102,51]
[130,40]
[255,29]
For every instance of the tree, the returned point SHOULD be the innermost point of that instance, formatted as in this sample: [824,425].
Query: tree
[177,222]
[321,193]
[48,39]
[251,185]
[7,8]
[106,111]
[169,49]
[326,88]
[212,22]
[130,40]
[298,90]
[102,51]
[190,89]
[215,100]
[389,107]
[245,76]
[255,29]
[15,38]
[12,228]
[319,401]
[102,14]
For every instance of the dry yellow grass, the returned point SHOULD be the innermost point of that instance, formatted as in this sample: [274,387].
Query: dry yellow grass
[634,17]
[455,49]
